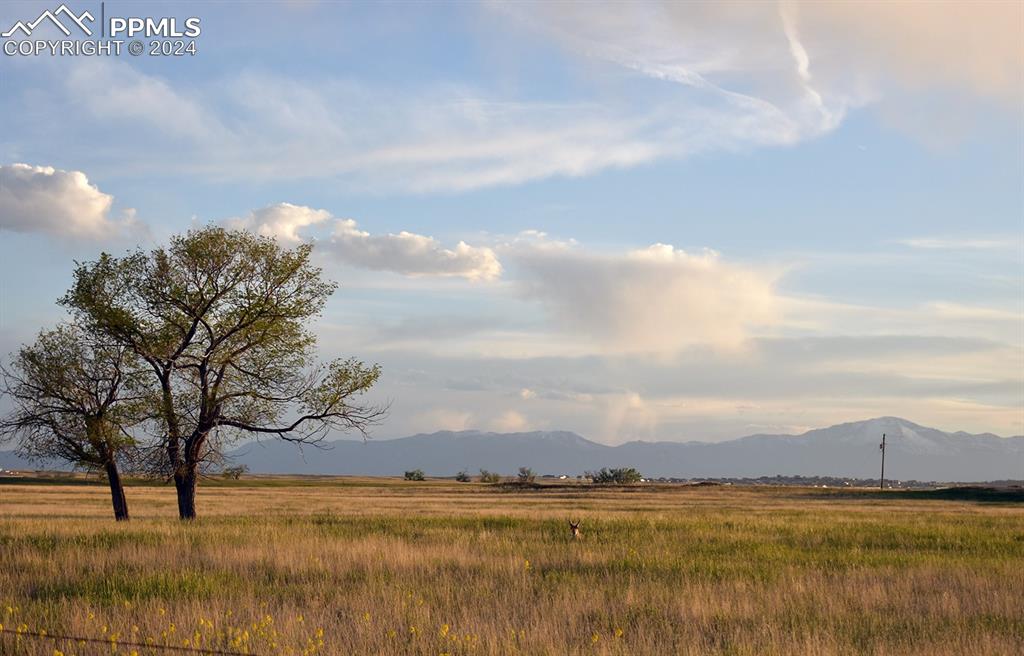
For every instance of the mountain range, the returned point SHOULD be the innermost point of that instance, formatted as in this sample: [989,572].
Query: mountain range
[846,450]
[913,452]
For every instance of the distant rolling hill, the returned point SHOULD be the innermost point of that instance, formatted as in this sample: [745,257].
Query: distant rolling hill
[848,450]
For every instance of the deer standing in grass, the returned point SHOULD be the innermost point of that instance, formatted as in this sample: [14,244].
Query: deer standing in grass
[575,528]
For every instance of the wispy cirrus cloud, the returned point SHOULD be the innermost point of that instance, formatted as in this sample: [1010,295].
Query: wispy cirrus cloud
[141,99]
[802,65]
[960,312]
[669,81]
[962,243]
[262,125]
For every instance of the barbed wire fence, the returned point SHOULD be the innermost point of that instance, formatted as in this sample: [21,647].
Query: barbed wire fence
[46,635]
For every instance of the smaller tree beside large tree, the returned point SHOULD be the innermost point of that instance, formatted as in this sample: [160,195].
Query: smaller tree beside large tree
[76,396]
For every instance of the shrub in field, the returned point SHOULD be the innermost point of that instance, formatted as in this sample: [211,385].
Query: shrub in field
[415,475]
[615,476]
[526,475]
[234,473]
[462,477]
[489,476]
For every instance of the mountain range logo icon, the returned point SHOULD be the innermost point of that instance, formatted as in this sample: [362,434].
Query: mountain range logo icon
[53,17]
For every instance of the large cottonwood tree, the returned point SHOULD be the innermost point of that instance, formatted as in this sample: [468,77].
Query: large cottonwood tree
[220,318]
[76,396]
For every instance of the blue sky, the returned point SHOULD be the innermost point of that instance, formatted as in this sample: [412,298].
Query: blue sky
[635,221]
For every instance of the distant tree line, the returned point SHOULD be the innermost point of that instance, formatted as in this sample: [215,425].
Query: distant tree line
[616,476]
[526,475]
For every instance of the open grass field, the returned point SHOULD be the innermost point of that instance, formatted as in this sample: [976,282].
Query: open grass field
[364,566]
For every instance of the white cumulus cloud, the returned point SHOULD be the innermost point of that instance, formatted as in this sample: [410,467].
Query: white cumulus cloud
[655,300]
[406,253]
[412,254]
[282,221]
[56,202]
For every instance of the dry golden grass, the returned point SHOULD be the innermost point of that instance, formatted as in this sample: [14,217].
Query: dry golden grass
[384,567]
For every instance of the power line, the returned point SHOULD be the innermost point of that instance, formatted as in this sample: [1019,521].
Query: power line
[881,481]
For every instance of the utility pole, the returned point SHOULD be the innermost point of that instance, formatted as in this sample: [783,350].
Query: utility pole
[881,482]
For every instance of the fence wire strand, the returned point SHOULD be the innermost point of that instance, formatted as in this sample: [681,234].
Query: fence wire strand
[122,643]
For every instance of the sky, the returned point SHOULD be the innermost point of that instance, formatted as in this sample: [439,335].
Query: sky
[655,221]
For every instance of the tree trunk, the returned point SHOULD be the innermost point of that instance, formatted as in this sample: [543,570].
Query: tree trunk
[185,485]
[117,492]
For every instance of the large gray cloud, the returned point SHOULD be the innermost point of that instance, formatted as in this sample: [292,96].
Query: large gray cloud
[780,384]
